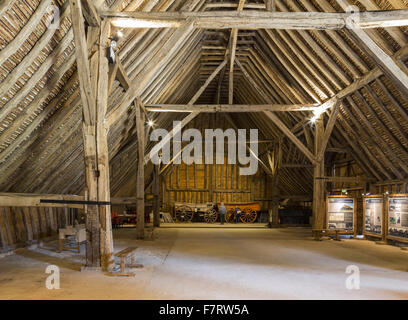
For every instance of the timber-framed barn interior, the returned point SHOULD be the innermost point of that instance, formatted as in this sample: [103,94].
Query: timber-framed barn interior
[100,103]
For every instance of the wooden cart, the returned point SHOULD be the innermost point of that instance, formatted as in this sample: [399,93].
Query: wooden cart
[249,211]
[184,212]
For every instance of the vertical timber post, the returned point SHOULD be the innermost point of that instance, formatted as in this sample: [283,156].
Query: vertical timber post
[275,160]
[156,199]
[318,183]
[93,74]
[106,239]
[140,171]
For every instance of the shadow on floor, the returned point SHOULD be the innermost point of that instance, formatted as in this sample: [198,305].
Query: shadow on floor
[65,262]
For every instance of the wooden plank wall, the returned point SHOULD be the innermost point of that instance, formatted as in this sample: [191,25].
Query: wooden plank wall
[201,183]
[23,226]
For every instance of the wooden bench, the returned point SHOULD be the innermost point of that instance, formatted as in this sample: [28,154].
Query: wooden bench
[125,253]
[318,233]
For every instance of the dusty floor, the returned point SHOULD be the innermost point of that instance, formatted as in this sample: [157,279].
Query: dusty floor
[214,263]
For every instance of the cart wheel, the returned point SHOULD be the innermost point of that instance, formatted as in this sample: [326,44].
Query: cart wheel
[211,216]
[230,216]
[248,216]
[184,214]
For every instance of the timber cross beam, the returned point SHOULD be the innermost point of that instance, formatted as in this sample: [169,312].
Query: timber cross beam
[214,108]
[253,20]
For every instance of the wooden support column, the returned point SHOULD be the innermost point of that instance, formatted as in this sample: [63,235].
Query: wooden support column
[318,184]
[275,161]
[140,207]
[156,200]
[106,239]
[93,74]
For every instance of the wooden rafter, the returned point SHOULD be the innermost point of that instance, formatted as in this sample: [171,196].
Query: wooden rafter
[156,64]
[263,165]
[328,131]
[385,62]
[278,122]
[192,115]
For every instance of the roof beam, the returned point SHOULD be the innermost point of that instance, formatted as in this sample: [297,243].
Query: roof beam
[155,65]
[256,19]
[190,117]
[17,42]
[90,13]
[263,165]
[207,82]
[34,200]
[122,76]
[328,131]
[276,119]
[213,108]
[170,135]
[347,179]
[233,44]
[81,53]
[291,136]
[370,76]
[234,5]
[385,62]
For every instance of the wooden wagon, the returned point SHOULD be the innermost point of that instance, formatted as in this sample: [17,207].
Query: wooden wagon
[184,212]
[249,211]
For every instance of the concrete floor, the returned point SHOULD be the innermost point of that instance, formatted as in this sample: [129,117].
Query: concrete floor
[214,263]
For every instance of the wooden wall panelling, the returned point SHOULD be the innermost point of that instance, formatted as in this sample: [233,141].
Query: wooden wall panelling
[10,225]
[33,211]
[4,232]
[28,224]
[20,227]
[43,222]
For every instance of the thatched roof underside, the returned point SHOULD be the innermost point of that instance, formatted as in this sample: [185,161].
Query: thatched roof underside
[41,149]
